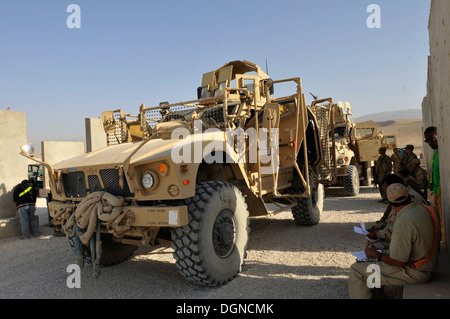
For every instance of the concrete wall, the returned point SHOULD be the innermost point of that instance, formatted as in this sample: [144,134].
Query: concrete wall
[56,151]
[95,134]
[13,167]
[436,105]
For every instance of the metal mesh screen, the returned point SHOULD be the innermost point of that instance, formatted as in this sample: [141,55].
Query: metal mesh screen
[213,116]
[176,113]
[94,183]
[118,136]
[322,115]
[110,178]
[74,184]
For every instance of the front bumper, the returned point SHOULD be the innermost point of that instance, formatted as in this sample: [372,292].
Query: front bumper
[144,216]
[341,171]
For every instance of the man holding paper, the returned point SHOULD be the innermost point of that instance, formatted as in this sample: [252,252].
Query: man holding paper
[381,233]
[414,247]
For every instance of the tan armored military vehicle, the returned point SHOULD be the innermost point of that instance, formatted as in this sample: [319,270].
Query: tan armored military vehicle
[191,174]
[350,149]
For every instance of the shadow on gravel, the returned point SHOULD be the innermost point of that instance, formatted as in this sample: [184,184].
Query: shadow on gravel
[328,237]
[273,270]
[339,191]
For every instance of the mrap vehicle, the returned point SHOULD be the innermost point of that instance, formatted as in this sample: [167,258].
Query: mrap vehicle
[190,175]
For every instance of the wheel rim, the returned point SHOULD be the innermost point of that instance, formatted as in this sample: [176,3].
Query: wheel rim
[224,234]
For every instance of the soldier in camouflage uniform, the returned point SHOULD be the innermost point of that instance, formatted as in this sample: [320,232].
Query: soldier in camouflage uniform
[421,176]
[409,180]
[383,167]
[410,156]
[397,159]
[415,235]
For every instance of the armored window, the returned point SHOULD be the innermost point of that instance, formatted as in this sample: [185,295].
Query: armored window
[249,84]
[204,92]
[390,140]
[364,132]
[287,107]
[220,90]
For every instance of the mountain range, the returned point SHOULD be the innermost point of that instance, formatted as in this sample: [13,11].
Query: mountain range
[389,116]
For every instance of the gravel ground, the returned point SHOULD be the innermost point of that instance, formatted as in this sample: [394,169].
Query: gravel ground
[285,261]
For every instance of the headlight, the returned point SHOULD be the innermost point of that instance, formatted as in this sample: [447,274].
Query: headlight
[147,180]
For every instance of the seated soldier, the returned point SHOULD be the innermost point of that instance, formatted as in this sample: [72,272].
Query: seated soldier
[414,248]
[381,232]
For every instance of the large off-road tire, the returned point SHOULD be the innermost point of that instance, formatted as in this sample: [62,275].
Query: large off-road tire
[307,211]
[351,181]
[210,250]
[115,253]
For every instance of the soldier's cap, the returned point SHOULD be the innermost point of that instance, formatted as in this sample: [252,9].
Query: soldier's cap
[397,194]
[382,149]
[415,161]
[409,147]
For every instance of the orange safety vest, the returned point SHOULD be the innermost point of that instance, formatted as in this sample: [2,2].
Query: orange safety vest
[423,261]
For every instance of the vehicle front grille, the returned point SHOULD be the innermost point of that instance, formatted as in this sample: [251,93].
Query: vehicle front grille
[110,179]
[75,184]
[94,183]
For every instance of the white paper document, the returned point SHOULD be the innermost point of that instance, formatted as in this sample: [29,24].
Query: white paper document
[360,255]
[361,230]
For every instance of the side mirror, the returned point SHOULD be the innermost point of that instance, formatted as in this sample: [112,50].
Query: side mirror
[27,149]
[272,88]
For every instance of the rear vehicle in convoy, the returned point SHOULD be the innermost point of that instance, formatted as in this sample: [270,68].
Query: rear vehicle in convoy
[349,149]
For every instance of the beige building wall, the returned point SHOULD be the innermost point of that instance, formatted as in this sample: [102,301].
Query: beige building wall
[57,151]
[95,134]
[13,167]
[436,105]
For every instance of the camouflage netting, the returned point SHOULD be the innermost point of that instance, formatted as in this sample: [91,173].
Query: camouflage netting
[97,206]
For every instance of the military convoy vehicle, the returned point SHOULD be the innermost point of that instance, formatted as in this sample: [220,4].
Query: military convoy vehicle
[190,175]
[349,149]
[35,174]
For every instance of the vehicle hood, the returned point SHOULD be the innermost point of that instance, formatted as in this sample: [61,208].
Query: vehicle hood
[117,154]
[152,150]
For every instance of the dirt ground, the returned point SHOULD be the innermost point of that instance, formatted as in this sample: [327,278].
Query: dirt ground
[285,261]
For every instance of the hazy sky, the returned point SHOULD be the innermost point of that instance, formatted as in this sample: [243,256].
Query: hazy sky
[132,52]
